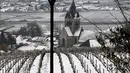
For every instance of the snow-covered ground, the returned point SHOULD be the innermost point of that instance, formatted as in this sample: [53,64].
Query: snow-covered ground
[77,64]
[66,64]
[23,69]
[56,62]
[46,64]
[32,47]
[29,46]
[35,65]
[80,64]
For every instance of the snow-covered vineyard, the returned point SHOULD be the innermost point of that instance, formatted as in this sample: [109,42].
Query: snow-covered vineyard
[64,62]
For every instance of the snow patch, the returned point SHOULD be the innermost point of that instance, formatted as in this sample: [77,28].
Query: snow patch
[35,65]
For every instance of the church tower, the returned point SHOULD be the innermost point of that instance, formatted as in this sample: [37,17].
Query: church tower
[71,32]
[72,18]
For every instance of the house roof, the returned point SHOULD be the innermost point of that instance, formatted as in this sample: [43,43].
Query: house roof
[68,30]
[91,43]
[94,43]
[85,35]
[4,37]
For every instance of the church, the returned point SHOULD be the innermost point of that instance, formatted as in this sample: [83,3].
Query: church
[71,31]
[72,34]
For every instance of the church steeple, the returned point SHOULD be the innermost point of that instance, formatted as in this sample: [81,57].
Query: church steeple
[72,9]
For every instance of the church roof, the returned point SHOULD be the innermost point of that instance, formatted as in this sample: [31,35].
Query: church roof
[68,30]
[77,32]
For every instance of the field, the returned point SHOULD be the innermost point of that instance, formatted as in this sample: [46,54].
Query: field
[96,16]
[103,19]
[64,62]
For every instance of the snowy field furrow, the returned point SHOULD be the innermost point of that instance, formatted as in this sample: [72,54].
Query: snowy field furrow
[78,66]
[24,69]
[66,64]
[13,70]
[35,65]
[57,67]
[46,64]
[88,65]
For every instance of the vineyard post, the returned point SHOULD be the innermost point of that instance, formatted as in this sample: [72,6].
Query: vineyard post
[100,56]
[74,67]
[9,60]
[13,68]
[90,56]
[0,61]
[13,61]
[90,70]
[112,71]
[5,69]
[96,63]
[99,68]
[93,58]
[87,68]
[103,59]
[103,71]
[2,70]
[19,63]
[3,60]
[107,64]
[87,54]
